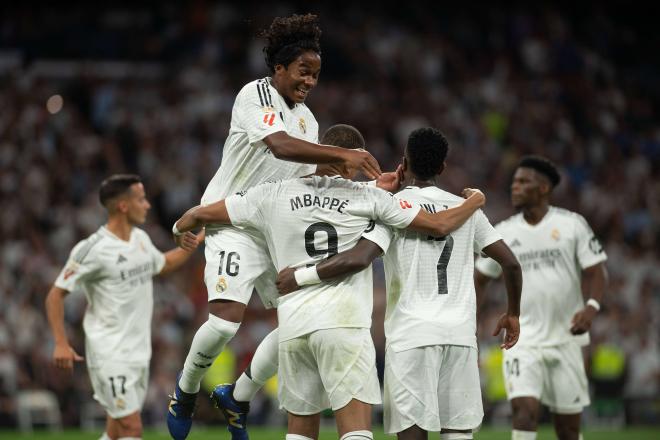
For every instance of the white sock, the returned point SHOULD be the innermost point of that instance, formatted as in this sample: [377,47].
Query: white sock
[208,343]
[129,438]
[455,436]
[262,367]
[297,437]
[523,435]
[357,435]
[105,436]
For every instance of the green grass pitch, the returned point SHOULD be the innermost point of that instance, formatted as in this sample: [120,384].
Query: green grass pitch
[220,433]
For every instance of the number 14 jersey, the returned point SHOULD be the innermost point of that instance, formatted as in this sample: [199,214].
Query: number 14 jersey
[430,286]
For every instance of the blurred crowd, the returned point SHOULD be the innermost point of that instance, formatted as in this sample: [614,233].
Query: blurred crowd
[87,91]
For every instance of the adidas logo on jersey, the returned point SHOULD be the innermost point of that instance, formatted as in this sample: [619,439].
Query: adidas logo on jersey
[121,259]
[515,243]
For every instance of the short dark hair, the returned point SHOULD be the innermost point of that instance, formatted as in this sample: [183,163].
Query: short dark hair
[541,165]
[426,151]
[343,135]
[288,37]
[116,185]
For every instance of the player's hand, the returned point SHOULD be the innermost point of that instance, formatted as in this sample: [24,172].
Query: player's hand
[511,327]
[201,236]
[187,241]
[391,181]
[64,356]
[581,322]
[360,159]
[286,281]
[475,195]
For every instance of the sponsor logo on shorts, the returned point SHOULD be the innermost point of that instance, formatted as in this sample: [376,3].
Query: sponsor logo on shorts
[221,285]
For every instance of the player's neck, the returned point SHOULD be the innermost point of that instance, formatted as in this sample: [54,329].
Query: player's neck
[278,87]
[534,214]
[120,227]
[415,181]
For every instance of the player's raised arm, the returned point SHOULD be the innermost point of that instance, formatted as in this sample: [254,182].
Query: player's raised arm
[197,217]
[444,222]
[289,148]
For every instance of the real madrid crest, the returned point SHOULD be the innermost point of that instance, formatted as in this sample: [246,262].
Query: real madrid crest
[302,125]
[555,234]
[221,286]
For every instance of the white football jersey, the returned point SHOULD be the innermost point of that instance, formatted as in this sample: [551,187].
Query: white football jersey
[307,220]
[259,110]
[116,277]
[552,254]
[430,281]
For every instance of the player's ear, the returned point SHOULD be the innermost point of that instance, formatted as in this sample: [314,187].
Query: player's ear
[404,163]
[279,68]
[122,205]
[441,168]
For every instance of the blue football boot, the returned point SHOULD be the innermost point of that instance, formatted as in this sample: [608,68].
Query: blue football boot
[180,412]
[235,412]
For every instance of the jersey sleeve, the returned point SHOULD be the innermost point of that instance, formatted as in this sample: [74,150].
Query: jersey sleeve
[391,211]
[484,233]
[81,266]
[488,267]
[247,208]
[157,257]
[588,248]
[379,234]
[255,112]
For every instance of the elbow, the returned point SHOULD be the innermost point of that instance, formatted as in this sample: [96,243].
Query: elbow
[440,230]
[513,267]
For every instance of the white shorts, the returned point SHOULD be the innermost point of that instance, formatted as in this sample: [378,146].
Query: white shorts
[119,387]
[238,262]
[434,387]
[327,369]
[554,375]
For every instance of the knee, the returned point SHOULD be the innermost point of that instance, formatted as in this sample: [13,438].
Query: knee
[567,432]
[524,418]
[228,310]
[130,426]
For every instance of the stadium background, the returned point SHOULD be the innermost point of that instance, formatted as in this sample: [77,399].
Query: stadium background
[89,90]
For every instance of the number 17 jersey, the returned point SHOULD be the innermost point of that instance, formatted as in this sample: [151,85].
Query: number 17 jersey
[430,286]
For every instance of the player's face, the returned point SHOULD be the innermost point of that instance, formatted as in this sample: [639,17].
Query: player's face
[138,205]
[300,77]
[525,188]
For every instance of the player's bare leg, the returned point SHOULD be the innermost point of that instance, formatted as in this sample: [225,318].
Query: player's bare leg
[567,426]
[354,421]
[306,427]
[413,433]
[525,417]
[129,426]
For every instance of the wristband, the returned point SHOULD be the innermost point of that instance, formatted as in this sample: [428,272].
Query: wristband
[307,276]
[176,231]
[593,303]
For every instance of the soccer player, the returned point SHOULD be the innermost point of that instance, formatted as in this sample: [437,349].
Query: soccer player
[114,267]
[272,136]
[560,256]
[431,361]
[326,355]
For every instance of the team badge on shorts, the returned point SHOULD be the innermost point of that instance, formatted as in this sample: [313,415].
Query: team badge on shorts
[120,403]
[302,125]
[221,286]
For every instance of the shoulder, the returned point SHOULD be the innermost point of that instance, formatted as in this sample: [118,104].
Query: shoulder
[509,223]
[86,249]
[141,234]
[257,90]
[569,216]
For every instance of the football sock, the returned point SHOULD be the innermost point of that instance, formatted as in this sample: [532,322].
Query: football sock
[208,343]
[357,435]
[456,436]
[262,367]
[105,436]
[523,435]
[297,437]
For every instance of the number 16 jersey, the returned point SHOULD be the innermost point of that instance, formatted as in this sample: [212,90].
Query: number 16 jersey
[430,286]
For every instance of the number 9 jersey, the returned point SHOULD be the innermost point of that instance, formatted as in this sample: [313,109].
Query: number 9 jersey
[430,286]
[307,220]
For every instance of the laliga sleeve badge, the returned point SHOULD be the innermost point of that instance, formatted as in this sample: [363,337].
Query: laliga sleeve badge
[221,286]
[302,125]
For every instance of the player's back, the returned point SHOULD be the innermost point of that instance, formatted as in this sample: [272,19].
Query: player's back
[305,221]
[259,111]
[430,287]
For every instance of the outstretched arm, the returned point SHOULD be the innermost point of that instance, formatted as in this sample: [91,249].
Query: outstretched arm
[512,273]
[197,217]
[594,281]
[351,261]
[175,258]
[292,149]
[447,221]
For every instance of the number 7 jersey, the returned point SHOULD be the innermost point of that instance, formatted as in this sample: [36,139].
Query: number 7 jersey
[430,286]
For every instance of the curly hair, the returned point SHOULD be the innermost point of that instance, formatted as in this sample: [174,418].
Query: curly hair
[288,37]
[427,150]
[543,166]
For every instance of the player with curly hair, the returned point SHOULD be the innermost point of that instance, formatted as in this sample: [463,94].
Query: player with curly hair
[273,136]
